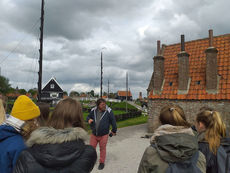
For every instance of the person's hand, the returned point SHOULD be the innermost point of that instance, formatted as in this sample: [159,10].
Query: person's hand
[90,121]
[114,134]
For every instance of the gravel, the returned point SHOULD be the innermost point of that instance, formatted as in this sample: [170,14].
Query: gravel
[125,150]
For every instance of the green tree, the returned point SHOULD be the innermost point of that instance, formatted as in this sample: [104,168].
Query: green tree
[32,91]
[22,91]
[4,85]
[11,90]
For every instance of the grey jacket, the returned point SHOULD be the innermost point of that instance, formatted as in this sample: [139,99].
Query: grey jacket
[172,144]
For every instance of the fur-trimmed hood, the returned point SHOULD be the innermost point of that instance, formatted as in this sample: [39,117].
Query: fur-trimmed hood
[49,135]
[169,129]
[55,148]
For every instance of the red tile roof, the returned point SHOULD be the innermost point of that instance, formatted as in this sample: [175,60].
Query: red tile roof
[123,93]
[197,62]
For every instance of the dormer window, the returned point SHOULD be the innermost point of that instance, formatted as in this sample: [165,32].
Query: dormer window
[198,82]
[52,86]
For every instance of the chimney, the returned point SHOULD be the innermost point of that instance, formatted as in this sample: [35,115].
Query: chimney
[140,95]
[183,69]
[158,47]
[211,66]
[158,70]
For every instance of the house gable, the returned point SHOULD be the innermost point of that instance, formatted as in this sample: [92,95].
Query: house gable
[52,86]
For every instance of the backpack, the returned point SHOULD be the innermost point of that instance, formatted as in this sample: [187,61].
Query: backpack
[188,166]
[223,156]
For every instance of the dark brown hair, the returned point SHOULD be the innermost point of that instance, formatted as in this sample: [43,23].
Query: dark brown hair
[67,113]
[44,116]
[173,115]
[99,101]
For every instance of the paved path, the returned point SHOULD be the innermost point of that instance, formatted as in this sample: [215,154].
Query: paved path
[125,150]
[144,110]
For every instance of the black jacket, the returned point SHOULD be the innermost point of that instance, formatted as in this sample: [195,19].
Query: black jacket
[107,119]
[212,159]
[57,151]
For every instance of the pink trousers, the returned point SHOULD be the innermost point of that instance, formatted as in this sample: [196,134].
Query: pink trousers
[102,140]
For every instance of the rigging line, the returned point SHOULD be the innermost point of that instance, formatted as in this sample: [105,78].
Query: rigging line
[34,65]
[12,51]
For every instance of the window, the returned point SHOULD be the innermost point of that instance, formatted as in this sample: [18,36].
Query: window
[170,83]
[52,86]
[198,82]
[54,95]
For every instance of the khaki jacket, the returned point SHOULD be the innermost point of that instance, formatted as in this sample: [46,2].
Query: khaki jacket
[167,138]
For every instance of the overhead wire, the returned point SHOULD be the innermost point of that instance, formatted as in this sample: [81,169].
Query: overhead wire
[19,43]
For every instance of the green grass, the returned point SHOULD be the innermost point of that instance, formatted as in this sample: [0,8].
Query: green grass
[116,112]
[138,103]
[132,121]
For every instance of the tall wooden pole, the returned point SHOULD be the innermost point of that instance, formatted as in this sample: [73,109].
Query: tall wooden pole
[41,53]
[101,75]
[126,91]
[108,89]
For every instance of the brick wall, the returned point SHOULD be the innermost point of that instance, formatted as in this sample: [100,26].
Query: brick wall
[191,108]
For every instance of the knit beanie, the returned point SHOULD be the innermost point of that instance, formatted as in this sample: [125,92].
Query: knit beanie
[25,109]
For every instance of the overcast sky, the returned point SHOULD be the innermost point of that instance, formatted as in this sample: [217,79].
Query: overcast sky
[76,31]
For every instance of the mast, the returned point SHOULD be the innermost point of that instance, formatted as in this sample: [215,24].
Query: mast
[41,53]
[108,89]
[101,75]
[126,91]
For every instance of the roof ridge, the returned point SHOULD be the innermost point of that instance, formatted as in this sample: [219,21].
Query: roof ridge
[198,39]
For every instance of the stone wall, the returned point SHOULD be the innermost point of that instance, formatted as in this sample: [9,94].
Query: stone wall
[191,108]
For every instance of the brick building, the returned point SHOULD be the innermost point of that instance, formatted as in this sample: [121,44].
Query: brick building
[192,74]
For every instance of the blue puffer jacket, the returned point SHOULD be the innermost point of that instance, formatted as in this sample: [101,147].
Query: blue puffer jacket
[107,119]
[11,145]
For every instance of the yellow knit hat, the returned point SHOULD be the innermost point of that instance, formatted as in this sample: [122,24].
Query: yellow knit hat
[25,109]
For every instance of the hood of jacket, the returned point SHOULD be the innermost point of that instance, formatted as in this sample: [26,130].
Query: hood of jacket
[174,143]
[106,109]
[7,131]
[57,147]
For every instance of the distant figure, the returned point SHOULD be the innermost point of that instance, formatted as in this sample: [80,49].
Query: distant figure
[19,124]
[2,112]
[60,147]
[213,141]
[174,147]
[45,111]
[100,119]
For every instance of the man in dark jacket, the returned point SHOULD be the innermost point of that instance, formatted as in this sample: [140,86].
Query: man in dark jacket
[100,119]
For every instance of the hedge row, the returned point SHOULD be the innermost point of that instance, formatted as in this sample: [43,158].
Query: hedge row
[128,115]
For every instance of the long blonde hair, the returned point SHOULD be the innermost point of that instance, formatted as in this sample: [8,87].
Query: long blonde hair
[173,115]
[215,128]
[2,112]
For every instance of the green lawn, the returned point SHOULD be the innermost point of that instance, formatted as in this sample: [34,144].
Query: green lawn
[132,121]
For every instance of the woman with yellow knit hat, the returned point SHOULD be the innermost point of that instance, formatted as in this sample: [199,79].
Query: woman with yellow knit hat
[17,125]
